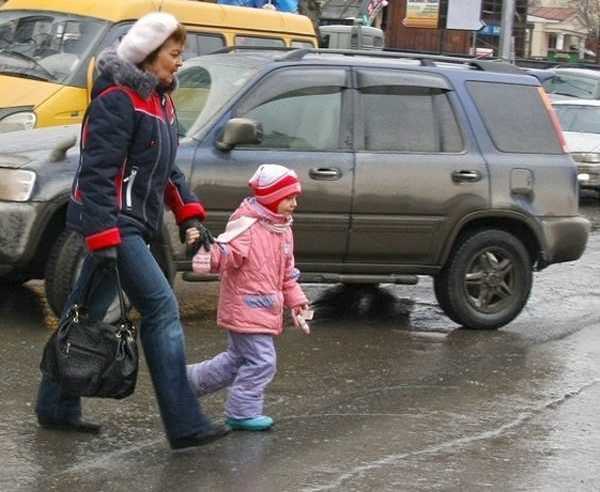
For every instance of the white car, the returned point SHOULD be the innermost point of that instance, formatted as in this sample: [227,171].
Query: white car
[580,122]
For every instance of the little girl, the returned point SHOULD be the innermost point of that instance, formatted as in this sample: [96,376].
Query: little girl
[255,260]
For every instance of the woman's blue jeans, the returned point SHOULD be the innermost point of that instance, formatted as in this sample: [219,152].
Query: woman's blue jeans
[161,335]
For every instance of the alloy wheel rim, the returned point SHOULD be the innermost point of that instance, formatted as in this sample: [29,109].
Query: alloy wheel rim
[490,282]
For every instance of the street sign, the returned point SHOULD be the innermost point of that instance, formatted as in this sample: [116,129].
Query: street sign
[464,15]
[422,13]
[490,30]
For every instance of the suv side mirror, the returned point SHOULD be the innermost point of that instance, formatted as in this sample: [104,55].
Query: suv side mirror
[240,131]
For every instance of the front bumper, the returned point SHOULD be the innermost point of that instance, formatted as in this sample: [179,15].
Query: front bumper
[565,238]
[16,230]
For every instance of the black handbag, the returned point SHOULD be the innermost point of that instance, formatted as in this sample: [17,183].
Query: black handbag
[93,358]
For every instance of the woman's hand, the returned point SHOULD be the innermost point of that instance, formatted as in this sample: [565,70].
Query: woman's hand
[191,236]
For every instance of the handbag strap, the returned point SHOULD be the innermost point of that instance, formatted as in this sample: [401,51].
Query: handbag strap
[89,288]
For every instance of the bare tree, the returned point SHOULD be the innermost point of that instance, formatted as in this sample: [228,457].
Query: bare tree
[588,12]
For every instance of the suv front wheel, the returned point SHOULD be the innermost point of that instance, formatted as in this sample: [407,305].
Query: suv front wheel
[486,281]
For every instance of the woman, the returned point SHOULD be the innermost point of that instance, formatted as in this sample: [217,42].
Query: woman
[126,174]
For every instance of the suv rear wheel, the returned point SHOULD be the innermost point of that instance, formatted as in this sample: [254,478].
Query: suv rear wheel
[486,281]
[64,266]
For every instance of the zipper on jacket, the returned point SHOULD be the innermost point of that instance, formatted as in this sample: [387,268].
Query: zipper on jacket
[129,180]
[154,166]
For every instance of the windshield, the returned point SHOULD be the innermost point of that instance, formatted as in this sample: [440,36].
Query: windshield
[207,83]
[580,119]
[45,45]
[572,85]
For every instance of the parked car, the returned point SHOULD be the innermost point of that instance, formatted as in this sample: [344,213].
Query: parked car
[580,122]
[411,165]
[581,83]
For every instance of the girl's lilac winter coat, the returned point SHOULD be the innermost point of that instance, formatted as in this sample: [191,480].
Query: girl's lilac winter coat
[257,272]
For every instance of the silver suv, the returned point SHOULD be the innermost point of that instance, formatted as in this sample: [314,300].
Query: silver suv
[411,165]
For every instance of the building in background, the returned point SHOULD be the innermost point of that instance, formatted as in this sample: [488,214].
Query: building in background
[441,40]
[556,33]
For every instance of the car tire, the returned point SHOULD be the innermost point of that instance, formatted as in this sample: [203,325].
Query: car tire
[441,294]
[486,281]
[64,265]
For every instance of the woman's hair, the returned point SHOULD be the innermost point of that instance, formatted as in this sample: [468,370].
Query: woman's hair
[179,36]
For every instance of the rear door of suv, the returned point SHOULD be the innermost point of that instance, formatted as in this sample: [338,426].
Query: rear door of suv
[417,169]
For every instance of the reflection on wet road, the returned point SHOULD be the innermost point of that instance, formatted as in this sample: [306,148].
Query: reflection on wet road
[386,394]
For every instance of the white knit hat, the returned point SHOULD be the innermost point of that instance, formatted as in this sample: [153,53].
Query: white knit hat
[146,35]
[271,183]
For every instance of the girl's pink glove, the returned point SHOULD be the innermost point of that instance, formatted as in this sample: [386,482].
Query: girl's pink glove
[201,261]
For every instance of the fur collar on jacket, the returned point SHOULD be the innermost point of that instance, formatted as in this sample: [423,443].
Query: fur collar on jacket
[125,73]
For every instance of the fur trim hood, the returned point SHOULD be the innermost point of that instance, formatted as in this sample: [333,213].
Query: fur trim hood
[115,70]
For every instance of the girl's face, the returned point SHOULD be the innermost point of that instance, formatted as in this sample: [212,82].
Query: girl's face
[287,206]
[167,62]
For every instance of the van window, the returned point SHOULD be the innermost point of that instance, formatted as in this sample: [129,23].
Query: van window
[258,41]
[298,109]
[409,119]
[45,45]
[296,43]
[202,43]
[515,117]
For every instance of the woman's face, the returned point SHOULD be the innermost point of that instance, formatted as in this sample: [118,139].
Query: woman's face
[167,62]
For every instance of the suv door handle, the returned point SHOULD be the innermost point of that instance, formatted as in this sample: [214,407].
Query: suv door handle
[325,173]
[466,176]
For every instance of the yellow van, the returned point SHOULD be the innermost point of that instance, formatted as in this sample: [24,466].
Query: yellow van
[48,48]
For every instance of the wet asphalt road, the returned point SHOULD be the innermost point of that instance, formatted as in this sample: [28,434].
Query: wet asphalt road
[386,394]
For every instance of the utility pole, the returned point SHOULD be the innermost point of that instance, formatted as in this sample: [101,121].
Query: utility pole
[506,29]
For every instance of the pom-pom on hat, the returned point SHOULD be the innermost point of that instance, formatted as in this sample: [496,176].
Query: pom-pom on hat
[146,35]
[271,183]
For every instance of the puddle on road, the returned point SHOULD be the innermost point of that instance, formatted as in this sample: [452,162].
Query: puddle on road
[377,305]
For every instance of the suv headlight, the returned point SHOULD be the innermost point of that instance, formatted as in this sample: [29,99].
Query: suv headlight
[24,120]
[589,157]
[16,185]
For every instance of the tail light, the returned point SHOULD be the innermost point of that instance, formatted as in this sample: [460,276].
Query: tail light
[553,118]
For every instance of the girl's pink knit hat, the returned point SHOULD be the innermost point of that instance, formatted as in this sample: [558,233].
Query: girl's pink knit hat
[272,183]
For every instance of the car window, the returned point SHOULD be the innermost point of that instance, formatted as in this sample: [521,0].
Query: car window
[515,117]
[298,109]
[409,119]
[572,85]
[578,119]
[206,85]
[258,41]
[202,43]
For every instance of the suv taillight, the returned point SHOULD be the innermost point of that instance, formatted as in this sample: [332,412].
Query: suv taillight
[553,118]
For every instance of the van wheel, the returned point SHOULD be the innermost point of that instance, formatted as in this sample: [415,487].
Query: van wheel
[64,266]
[486,281]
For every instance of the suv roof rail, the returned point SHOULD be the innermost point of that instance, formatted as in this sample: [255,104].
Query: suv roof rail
[229,49]
[425,59]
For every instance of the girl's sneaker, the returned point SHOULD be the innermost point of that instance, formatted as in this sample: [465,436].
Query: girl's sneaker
[260,423]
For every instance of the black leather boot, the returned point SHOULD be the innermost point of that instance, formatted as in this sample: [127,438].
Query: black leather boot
[200,438]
